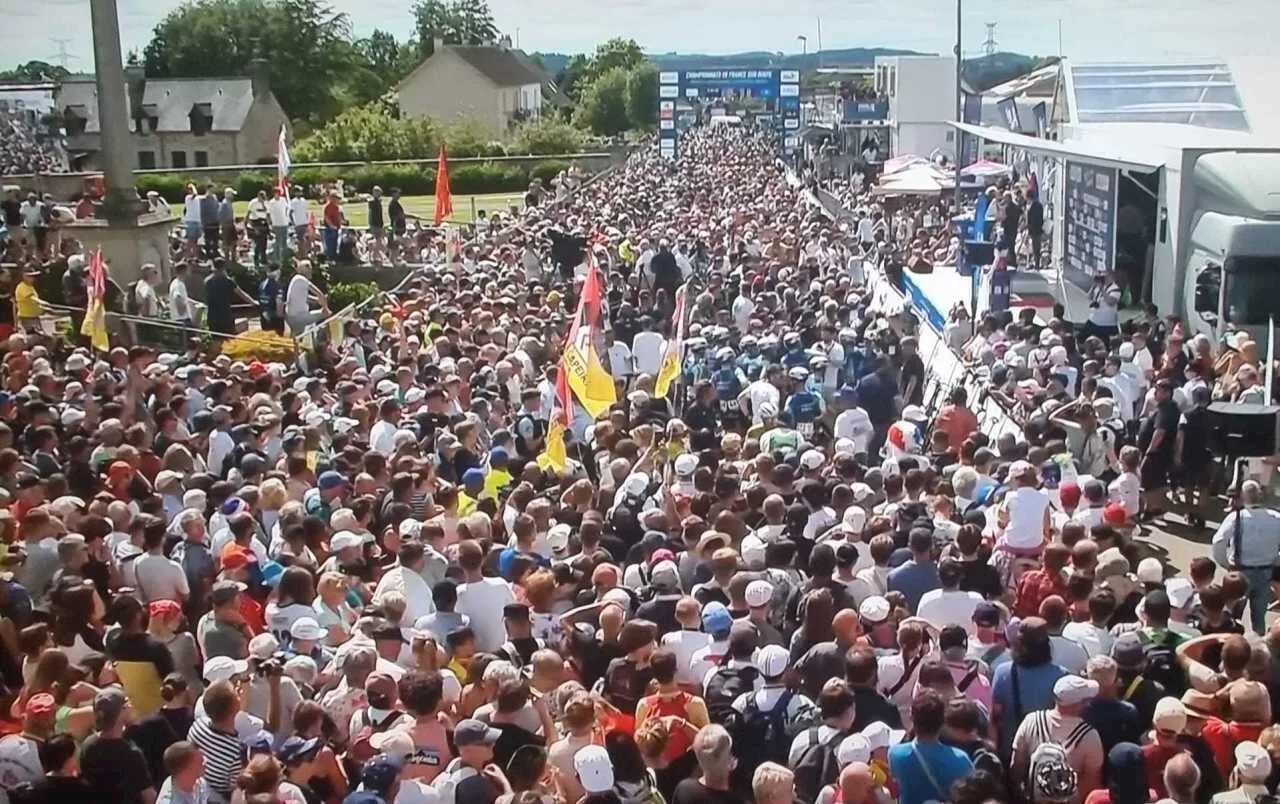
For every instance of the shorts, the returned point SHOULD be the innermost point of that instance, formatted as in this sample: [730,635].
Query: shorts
[191,229]
[1155,472]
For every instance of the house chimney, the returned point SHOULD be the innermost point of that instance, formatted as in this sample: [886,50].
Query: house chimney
[504,42]
[260,76]
[135,83]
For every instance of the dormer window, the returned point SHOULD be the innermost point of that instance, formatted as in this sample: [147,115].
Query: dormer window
[75,118]
[201,118]
[146,119]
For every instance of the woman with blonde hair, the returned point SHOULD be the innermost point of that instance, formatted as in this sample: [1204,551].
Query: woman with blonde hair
[333,612]
[271,499]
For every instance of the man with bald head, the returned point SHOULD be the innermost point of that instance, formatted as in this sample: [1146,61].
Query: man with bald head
[826,659]
[858,786]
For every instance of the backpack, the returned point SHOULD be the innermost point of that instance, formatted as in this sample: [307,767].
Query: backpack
[446,784]
[817,767]
[723,688]
[360,750]
[1162,665]
[1050,777]
[762,735]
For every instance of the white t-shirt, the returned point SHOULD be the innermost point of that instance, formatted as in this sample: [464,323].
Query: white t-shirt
[160,578]
[179,302]
[191,209]
[647,349]
[941,607]
[684,644]
[482,601]
[278,211]
[1069,654]
[382,438]
[295,298]
[19,763]
[1095,640]
[760,392]
[1026,508]
[298,215]
[621,364]
[855,425]
[414,588]
[1127,490]
[741,310]
[280,620]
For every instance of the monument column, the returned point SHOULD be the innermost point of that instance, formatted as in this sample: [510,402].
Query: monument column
[120,203]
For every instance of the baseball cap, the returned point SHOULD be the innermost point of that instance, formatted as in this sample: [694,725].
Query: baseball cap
[666,575]
[221,668]
[306,628]
[716,618]
[380,773]
[1170,715]
[108,704]
[594,768]
[236,557]
[1127,650]
[772,660]
[812,459]
[1252,760]
[296,747]
[331,480]
[914,413]
[1150,571]
[874,609]
[262,646]
[474,732]
[1115,514]
[226,591]
[558,539]
[759,593]
[1072,689]
[345,539]
[686,464]
[853,748]
[879,735]
[986,614]
[41,704]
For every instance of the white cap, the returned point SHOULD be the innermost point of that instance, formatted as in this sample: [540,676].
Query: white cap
[853,748]
[879,735]
[1073,689]
[395,742]
[77,362]
[686,464]
[666,575]
[753,552]
[221,668]
[306,628]
[636,483]
[854,520]
[344,539]
[812,459]
[773,660]
[759,593]
[1180,591]
[638,397]
[558,539]
[594,769]
[861,492]
[72,416]
[410,529]
[1169,715]
[1150,571]
[874,609]
[386,387]
[263,645]
[768,410]
[1252,760]
[914,413]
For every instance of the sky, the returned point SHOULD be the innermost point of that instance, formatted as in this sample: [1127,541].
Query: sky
[1090,29]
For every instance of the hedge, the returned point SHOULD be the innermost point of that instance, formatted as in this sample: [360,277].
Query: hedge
[412,179]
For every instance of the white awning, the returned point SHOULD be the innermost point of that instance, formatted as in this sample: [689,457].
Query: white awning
[1091,153]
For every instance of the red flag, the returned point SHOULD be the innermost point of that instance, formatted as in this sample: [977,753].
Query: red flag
[444,199]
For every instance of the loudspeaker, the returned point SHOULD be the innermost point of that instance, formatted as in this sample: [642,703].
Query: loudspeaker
[1243,431]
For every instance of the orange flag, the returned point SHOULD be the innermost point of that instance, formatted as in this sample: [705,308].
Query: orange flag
[444,199]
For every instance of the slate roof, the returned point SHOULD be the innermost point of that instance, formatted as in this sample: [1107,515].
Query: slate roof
[500,65]
[171,100]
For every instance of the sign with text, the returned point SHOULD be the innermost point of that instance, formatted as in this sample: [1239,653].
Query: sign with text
[1090,214]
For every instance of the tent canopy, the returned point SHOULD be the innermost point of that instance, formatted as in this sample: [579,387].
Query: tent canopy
[921,179]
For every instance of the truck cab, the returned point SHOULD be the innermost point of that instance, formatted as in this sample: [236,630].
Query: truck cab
[1233,245]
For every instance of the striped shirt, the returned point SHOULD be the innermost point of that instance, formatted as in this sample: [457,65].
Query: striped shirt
[224,757]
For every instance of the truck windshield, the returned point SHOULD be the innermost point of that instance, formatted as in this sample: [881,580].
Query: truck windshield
[1253,290]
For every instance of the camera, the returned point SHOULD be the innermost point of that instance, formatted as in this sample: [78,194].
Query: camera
[272,666]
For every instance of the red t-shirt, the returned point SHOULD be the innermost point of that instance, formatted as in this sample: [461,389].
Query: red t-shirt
[1222,737]
[332,215]
[1154,758]
[958,423]
[1033,587]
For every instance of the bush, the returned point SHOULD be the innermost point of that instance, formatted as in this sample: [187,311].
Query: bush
[172,187]
[342,294]
[547,135]
[549,169]
[487,177]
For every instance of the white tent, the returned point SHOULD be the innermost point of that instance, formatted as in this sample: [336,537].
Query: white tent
[985,168]
[919,180]
[900,163]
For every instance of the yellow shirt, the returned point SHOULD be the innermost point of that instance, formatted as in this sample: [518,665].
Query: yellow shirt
[26,300]
[465,504]
[495,481]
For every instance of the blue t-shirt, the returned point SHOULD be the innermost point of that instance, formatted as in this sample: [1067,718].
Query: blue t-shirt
[1035,689]
[508,556]
[908,763]
[913,580]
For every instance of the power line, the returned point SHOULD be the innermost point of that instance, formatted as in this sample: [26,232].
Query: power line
[989,46]
[63,55]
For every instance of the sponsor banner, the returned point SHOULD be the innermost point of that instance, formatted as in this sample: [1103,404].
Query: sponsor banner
[668,77]
[789,90]
[668,91]
[789,76]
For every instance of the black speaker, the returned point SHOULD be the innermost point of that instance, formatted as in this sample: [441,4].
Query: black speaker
[1243,431]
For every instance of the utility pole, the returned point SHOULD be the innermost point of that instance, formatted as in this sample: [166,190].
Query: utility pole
[804,44]
[819,41]
[989,46]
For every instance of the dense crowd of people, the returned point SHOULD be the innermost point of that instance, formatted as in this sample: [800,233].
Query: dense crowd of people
[25,148]
[787,578]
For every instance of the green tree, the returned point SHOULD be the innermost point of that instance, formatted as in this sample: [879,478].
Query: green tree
[615,53]
[35,71]
[642,96]
[603,107]
[547,135]
[459,22]
[381,61]
[305,43]
[570,79]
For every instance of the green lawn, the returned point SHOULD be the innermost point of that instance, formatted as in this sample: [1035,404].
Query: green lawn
[357,211]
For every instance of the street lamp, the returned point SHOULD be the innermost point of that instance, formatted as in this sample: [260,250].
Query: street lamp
[804,44]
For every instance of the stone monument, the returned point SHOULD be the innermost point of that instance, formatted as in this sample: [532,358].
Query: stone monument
[128,240]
